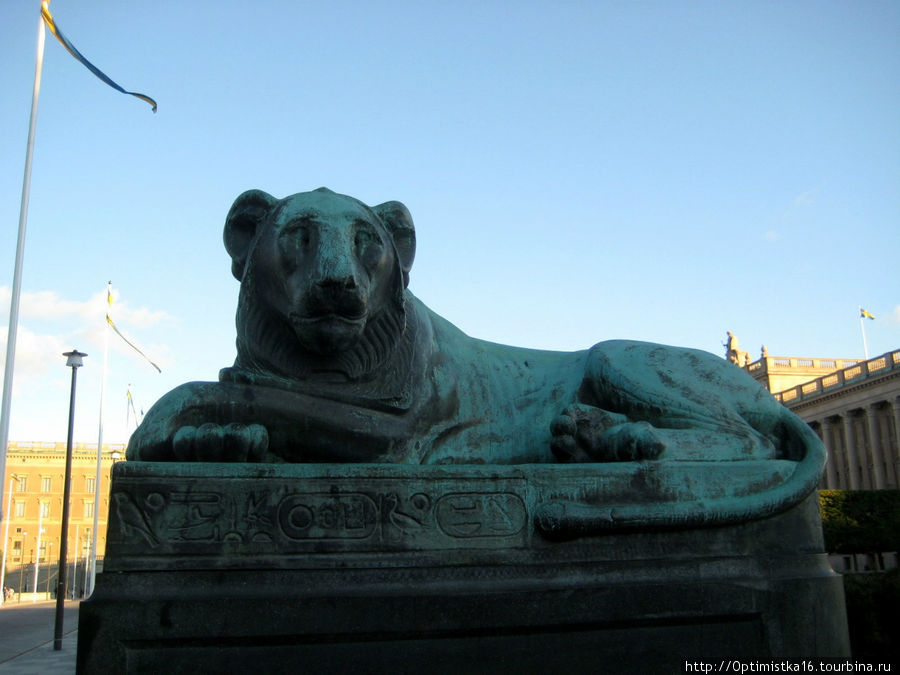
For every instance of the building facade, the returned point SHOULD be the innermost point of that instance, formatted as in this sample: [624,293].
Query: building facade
[854,407]
[33,511]
[778,373]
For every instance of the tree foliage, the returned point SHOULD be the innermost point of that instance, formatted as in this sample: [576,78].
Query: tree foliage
[860,521]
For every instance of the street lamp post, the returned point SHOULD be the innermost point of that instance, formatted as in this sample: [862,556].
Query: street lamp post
[74,361]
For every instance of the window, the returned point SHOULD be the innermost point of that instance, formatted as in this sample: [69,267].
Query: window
[43,550]
[45,483]
[22,484]
[17,550]
[45,509]
[89,509]
[20,509]
[89,485]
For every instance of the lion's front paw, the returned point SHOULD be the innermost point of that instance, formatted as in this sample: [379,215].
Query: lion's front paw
[221,443]
[583,433]
[578,432]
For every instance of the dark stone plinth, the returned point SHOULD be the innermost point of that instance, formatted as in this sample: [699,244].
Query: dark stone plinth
[360,568]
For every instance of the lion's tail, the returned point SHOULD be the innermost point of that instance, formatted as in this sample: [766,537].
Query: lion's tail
[559,519]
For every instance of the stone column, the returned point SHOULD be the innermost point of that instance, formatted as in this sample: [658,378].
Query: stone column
[830,463]
[885,426]
[850,445]
[895,404]
[840,453]
[875,450]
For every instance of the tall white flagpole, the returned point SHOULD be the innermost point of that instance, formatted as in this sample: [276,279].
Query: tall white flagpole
[17,270]
[37,550]
[75,565]
[862,327]
[86,573]
[93,561]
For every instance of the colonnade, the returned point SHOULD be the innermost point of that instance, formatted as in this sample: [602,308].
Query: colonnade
[863,446]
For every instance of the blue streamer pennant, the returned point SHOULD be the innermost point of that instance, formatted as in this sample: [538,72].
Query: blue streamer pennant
[51,24]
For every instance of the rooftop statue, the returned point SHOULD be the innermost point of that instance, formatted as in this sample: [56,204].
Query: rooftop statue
[733,352]
[338,362]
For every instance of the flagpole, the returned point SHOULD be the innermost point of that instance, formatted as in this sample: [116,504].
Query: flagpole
[37,550]
[17,269]
[93,560]
[862,327]
[75,565]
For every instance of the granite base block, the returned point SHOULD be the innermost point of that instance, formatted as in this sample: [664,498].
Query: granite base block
[333,568]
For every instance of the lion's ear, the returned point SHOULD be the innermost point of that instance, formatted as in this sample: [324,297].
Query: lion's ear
[399,222]
[245,215]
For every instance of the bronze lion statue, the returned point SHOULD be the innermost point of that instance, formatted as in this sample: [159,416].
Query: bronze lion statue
[338,362]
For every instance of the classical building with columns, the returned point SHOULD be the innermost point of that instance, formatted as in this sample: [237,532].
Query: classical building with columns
[854,406]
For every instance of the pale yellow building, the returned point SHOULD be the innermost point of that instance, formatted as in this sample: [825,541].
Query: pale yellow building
[777,373]
[854,407]
[33,493]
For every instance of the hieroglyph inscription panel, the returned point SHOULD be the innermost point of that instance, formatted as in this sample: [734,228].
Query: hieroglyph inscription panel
[264,517]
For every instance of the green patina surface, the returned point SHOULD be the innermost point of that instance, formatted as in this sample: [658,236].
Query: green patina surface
[235,514]
[338,362]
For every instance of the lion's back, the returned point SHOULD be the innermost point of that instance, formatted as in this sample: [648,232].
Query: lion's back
[504,397]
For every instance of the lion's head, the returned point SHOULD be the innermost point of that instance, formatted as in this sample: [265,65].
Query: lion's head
[323,281]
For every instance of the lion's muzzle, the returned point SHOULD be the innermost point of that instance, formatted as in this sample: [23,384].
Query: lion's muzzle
[329,332]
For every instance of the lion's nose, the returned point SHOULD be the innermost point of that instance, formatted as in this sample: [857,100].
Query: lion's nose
[334,284]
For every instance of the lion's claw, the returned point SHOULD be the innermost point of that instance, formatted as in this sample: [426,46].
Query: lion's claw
[632,442]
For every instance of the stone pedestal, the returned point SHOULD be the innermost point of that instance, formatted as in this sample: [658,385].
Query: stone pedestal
[361,568]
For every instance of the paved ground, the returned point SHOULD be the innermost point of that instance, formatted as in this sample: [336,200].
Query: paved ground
[26,639]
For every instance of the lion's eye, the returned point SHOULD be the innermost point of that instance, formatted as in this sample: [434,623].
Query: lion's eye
[366,240]
[368,246]
[295,241]
[301,236]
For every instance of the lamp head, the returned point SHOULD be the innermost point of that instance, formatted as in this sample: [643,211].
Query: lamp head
[74,358]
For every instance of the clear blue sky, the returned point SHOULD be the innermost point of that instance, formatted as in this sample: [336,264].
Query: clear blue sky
[577,171]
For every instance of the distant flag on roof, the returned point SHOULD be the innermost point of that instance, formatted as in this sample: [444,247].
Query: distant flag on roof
[57,33]
[863,314]
[129,410]
[109,302]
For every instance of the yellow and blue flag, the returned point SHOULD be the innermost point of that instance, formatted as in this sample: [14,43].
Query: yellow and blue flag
[51,24]
[863,314]
[109,302]
[129,410]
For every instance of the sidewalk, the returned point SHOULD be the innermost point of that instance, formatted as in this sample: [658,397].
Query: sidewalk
[26,639]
